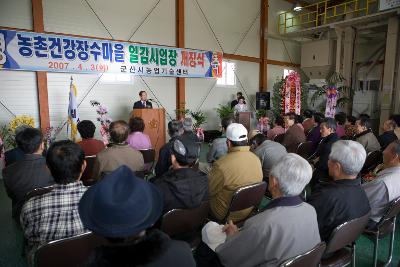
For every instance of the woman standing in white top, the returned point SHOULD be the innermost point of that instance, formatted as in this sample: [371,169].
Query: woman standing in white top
[240,106]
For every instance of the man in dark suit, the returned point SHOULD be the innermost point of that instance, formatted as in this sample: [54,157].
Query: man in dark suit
[29,173]
[343,198]
[142,103]
[236,101]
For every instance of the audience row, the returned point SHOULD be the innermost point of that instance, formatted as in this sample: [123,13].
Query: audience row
[123,208]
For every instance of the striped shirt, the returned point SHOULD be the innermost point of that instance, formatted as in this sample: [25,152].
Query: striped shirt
[53,215]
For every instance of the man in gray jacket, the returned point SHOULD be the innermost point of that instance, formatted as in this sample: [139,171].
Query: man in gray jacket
[269,152]
[287,227]
[386,187]
[365,136]
[219,147]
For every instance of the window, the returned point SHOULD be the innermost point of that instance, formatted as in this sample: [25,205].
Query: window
[286,72]
[228,74]
[116,78]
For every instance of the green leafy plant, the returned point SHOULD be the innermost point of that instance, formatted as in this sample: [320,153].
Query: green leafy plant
[182,112]
[199,117]
[225,111]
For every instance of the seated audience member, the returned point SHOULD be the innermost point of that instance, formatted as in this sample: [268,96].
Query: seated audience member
[299,121]
[350,126]
[238,168]
[219,147]
[28,173]
[89,145]
[123,208]
[279,128]
[182,186]
[363,116]
[396,119]
[385,187]
[388,135]
[188,130]
[54,215]
[294,134]
[269,152]
[329,137]
[343,199]
[308,122]
[175,129]
[119,153]
[341,121]
[137,139]
[15,154]
[315,134]
[365,136]
[240,106]
[285,229]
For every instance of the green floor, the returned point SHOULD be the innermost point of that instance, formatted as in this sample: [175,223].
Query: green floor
[11,239]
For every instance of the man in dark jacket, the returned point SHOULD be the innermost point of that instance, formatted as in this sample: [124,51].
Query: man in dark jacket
[175,129]
[182,186]
[388,135]
[188,130]
[123,208]
[314,134]
[328,133]
[343,199]
[29,173]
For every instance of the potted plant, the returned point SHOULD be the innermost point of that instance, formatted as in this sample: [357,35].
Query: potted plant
[225,111]
[199,118]
[181,113]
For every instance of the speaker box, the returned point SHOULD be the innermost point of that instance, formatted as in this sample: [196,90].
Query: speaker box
[263,100]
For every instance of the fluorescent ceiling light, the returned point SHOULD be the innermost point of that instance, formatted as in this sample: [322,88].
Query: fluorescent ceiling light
[297,7]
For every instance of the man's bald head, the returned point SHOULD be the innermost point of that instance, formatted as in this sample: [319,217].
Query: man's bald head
[119,131]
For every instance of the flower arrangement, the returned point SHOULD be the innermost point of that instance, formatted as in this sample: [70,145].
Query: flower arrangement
[50,135]
[7,132]
[104,120]
[278,96]
[336,80]
[21,120]
[291,92]
[1,152]
[263,124]
[8,137]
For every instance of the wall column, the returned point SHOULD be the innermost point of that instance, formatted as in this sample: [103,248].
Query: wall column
[339,34]
[180,42]
[348,54]
[388,95]
[263,46]
[41,76]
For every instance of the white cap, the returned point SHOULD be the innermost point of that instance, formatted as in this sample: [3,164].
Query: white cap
[236,132]
[212,235]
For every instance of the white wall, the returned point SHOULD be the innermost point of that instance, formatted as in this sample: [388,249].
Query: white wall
[230,19]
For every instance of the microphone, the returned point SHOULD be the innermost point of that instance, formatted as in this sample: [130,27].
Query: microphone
[151,100]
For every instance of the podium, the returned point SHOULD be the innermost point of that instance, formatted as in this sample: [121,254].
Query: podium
[154,125]
[245,118]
